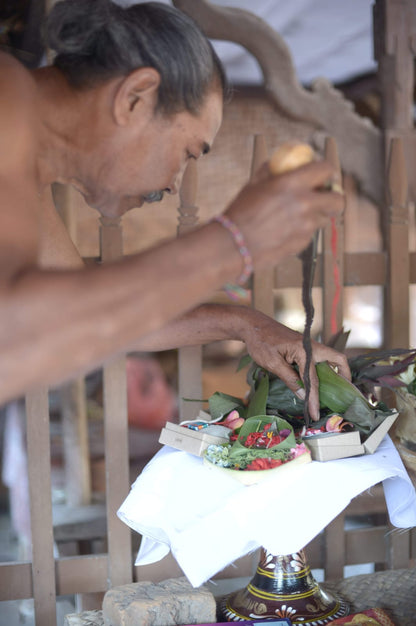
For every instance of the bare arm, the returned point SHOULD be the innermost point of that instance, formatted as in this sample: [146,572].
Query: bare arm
[272,345]
[58,323]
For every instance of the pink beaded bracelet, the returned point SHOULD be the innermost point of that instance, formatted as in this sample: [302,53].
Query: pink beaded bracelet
[235,291]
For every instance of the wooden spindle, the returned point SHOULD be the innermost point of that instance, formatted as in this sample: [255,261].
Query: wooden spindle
[115,433]
[188,211]
[263,281]
[394,38]
[72,394]
[189,357]
[397,302]
[75,442]
[40,488]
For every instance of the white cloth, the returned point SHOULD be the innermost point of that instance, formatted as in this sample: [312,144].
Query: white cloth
[208,519]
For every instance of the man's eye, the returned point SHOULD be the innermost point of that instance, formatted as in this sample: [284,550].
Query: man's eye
[191,156]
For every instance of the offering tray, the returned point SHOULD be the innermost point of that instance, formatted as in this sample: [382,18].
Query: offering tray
[330,446]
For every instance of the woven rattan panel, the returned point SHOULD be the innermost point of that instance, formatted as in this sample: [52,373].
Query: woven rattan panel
[393,590]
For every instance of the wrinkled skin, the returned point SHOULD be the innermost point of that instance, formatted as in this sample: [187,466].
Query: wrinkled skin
[59,318]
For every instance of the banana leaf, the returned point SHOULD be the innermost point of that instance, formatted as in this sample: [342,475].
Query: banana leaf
[283,400]
[258,400]
[364,418]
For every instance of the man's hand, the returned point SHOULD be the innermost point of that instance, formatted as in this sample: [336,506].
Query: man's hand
[278,215]
[277,348]
[270,344]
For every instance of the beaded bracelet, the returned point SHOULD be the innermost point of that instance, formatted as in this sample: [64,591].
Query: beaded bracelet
[236,291]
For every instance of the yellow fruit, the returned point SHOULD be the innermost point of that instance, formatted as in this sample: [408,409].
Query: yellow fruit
[289,156]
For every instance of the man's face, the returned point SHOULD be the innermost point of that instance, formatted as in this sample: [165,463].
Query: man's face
[151,161]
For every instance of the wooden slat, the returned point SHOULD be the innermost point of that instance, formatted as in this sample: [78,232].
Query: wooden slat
[115,434]
[398,549]
[75,443]
[413,543]
[86,574]
[315,552]
[396,319]
[360,269]
[394,34]
[15,581]
[334,551]
[366,545]
[169,568]
[371,502]
[82,574]
[332,311]
[79,523]
[263,296]
[189,381]
[39,471]
[189,357]
[365,268]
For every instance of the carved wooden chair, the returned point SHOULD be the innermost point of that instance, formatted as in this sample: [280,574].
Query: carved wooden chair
[377,159]
[279,110]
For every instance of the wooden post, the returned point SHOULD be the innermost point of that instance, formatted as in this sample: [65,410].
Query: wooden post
[397,301]
[189,357]
[263,281]
[334,548]
[394,49]
[72,393]
[115,434]
[75,443]
[332,266]
[39,468]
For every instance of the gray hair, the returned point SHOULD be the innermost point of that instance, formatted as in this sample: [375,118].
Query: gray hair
[97,40]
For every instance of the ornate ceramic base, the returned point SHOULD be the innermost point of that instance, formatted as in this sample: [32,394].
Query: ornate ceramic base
[283,586]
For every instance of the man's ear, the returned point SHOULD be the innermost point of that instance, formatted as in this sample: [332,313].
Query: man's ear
[138,89]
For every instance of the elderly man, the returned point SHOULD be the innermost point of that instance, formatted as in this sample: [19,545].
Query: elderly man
[133,94]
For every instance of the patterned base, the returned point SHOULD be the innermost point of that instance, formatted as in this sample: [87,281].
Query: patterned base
[283,586]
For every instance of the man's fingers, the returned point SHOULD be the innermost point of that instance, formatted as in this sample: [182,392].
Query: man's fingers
[313,404]
[313,175]
[342,364]
[318,208]
[291,378]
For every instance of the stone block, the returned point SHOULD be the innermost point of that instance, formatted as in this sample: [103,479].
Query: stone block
[168,603]
[87,618]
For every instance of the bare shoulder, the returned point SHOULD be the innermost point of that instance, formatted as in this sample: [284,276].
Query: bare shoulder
[19,201]
[17,114]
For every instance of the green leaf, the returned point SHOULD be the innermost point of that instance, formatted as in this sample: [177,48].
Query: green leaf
[257,405]
[365,418]
[283,400]
[244,361]
[221,404]
[339,340]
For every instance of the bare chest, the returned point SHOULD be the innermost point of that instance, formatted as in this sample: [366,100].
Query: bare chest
[56,249]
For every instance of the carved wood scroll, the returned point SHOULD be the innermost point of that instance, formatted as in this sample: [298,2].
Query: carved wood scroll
[359,141]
